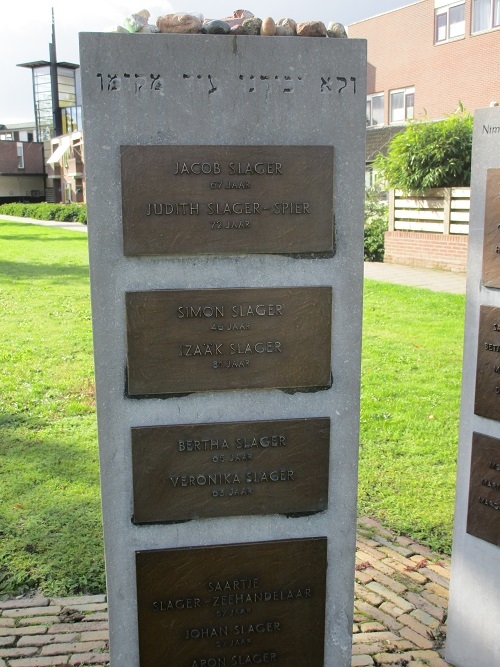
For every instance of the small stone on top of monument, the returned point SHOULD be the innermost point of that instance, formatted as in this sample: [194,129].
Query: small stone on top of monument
[268,27]
[311,29]
[180,23]
[215,27]
[288,25]
[252,26]
[336,30]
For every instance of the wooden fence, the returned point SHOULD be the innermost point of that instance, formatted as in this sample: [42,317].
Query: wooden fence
[441,210]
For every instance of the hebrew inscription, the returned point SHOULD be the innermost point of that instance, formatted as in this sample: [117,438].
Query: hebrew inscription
[223,469]
[487,397]
[227,199]
[181,341]
[483,517]
[248,604]
[491,244]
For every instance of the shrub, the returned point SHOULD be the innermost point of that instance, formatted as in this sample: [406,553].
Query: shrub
[376,223]
[46,211]
[429,155]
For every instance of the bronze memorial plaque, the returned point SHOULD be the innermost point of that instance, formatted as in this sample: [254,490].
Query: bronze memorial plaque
[221,200]
[182,341]
[483,517]
[487,398]
[225,469]
[491,243]
[260,603]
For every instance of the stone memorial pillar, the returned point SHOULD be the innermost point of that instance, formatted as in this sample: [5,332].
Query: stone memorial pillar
[225,199]
[473,638]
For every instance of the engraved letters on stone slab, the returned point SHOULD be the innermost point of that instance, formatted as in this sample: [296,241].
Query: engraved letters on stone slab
[487,398]
[491,243]
[483,517]
[219,200]
[182,341]
[191,471]
[242,604]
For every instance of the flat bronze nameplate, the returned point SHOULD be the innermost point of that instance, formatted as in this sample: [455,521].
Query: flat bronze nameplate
[491,243]
[483,517]
[226,469]
[242,604]
[220,200]
[182,341]
[487,398]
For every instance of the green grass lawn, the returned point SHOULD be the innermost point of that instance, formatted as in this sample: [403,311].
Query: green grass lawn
[50,522]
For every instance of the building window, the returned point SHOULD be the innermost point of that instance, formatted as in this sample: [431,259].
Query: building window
[402,105]
[449,22]
[20,155]
[375,109]
[485,15]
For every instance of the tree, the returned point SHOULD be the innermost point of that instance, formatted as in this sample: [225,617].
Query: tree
[430,155]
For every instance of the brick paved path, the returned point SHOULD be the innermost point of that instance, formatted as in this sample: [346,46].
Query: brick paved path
[401,599]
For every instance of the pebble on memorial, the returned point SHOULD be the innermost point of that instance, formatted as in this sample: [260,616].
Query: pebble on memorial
[241,22]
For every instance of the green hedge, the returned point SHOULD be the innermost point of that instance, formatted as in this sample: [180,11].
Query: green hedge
[45,211]
[376,224]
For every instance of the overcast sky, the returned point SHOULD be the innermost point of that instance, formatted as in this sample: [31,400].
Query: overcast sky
[25,31]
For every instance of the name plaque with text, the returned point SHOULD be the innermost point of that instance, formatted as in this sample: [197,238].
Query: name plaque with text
[182,341]
[491,243]
[191,471]
[487,397]
[260,603]
[217,200]
[483,517]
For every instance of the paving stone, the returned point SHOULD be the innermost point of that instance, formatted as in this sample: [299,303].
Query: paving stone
[2,663]
[365,548]
[76,647]
[97,616]
[45,640]
[37,620]
[432,658]
[382,647]
[100,635]
[433,576]
[82,599]
[25,603]
[386,543]
[372,627]
[371,523]
[376,564]
[400,567]
[421,603]
[427,620]
[388,582]
[365,594]
[414,624]
[434,599]
[367,637]
[438,569]
[438,590]
[390,595]
[378,615]
[89,659]
[16,652]
[30,630]
[388,658]
[7,641]
[7,622]
[355,628]
[32,611]
[363,576]
[415,637]
[391,609]
[78,627]
[94,606]
[361,661]
[54,661]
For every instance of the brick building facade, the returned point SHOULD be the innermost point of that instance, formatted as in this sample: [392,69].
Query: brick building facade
[423,61]
[409,53]
[21,171]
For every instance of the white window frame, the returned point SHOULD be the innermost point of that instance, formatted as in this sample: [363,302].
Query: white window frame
[369,105]
[444,11]
[406,92]
[493,13]
[20,155]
